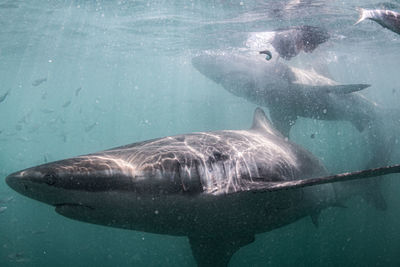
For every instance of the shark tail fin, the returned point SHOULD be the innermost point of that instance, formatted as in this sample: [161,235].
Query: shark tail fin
[363,15]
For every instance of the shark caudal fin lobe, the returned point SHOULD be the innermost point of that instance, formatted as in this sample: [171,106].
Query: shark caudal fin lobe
[217,250]
[363,15]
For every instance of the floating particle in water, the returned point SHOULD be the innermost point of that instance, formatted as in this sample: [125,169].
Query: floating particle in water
[2,209]
[312,136]
[39,81]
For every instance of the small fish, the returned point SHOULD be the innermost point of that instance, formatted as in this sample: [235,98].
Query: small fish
[44,95]
[386,18]
[18,257]
[9,5]
[47,110]
[26,118]
[77,91]
[18,127]
[38,232]
[34,128]
[2,209]
[6,200]
[23,139]
[267,53]
[66,104]
[312,136]
[64,137]
[4,96]
[39,81]
[90,127]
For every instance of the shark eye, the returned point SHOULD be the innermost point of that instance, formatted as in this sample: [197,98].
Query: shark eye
[50,178]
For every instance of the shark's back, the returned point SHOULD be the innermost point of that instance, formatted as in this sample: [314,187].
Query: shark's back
[217,162]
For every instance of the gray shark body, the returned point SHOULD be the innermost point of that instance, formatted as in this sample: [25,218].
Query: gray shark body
[287,92]
[218,188]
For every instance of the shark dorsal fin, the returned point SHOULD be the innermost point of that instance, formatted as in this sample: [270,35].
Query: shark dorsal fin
[263,124]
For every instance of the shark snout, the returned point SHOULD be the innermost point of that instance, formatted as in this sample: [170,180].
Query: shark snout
[43,183]
[19,181]
[29,182]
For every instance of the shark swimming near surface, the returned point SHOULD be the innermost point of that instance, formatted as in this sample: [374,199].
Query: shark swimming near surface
[287,92]
[217,188]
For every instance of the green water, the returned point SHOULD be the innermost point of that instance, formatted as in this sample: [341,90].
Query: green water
[132,63]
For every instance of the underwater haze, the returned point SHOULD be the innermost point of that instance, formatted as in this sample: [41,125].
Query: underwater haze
[78,77]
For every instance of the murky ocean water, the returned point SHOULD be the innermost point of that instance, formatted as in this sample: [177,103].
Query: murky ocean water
[84,76]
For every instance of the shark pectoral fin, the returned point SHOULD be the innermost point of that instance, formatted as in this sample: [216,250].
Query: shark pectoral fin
[217,250]
[342,177]
[282,121]
[343,88]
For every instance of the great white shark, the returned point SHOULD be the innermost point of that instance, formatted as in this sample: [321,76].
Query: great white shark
[287,92]
[217,188]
